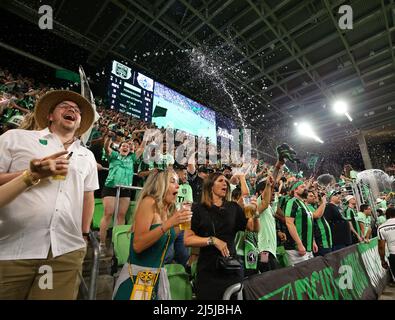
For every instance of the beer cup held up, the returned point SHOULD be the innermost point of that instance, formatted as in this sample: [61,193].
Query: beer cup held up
[60,177]
[249,209]
[186,205]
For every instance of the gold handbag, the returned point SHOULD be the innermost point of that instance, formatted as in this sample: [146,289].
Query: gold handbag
[143,288]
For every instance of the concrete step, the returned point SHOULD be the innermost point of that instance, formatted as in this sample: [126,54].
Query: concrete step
[388,293]
[104,287]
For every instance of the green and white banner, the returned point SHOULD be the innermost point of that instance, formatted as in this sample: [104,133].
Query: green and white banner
[354,273]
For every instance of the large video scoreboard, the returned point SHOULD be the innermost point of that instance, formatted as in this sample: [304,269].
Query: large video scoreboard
[131,92]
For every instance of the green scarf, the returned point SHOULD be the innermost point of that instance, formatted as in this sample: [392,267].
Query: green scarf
[251,250]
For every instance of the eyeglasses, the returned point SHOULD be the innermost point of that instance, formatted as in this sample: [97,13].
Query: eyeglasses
[67,106]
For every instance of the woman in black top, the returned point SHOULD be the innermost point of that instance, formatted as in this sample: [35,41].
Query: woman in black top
[215,222]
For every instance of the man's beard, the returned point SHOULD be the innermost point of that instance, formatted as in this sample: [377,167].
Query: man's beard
[228,176]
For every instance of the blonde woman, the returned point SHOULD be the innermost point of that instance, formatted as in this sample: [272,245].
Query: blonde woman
[154,230]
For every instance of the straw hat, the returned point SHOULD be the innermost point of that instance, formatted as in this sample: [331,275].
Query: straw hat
[51,99]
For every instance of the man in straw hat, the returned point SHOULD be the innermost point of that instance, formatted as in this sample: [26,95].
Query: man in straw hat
[42,231]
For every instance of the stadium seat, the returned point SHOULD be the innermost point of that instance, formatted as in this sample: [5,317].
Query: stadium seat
[98,214]
[121,241]
[99,210]
[130,214]
[180,286]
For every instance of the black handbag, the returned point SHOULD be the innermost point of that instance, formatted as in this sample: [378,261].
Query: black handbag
[226,264]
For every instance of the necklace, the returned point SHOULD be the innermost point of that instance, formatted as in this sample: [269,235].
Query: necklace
[69,141]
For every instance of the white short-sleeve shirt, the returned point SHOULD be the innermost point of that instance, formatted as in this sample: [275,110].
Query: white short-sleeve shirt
[387,232]
[48,215]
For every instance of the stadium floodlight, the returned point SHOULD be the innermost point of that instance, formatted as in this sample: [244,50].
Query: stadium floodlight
[306,130]
[341,107]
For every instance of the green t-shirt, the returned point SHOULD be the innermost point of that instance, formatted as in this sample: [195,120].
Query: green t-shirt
[121,169]
[165,160]
[251,189]
[382,205]
[298,210]
[267,236]
[353,174]
[351,215]
[361,217]
[322,231]
[381,220]
[184,193]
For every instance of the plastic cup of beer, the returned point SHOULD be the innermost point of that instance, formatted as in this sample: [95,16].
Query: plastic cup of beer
[61,177]
[185,205]
[249,209]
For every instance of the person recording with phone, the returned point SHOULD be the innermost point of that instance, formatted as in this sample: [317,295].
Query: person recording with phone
[49,223]
[215,222]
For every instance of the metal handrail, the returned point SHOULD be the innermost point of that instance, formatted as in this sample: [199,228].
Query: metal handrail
[237,287]
[95,267]
[90,293]
[117,199]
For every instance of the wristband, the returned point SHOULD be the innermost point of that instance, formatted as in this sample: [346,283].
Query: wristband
[28,179]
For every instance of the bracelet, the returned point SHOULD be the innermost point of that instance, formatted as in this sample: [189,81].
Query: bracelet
[85,234]
[28,179]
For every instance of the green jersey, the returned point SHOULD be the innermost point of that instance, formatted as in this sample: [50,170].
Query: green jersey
[184,193]
[282,202]
[322,231]
[381,220]
[366,220]
[165,160]
[298,210]
[351,215]
[121,169]
[353,174]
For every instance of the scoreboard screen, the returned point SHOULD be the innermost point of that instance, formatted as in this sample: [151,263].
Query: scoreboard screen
[131,92]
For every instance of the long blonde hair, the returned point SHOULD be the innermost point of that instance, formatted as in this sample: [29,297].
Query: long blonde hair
[156,187]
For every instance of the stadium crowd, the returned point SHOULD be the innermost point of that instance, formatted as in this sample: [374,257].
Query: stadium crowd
[281,217]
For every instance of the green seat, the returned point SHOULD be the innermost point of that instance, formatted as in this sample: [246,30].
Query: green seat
[130,213]
[180,286]
[121,240]
[98,215]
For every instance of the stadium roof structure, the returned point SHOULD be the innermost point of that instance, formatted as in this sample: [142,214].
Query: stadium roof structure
[279,61]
